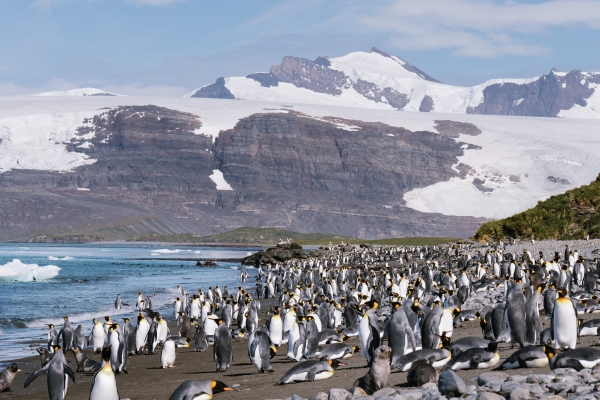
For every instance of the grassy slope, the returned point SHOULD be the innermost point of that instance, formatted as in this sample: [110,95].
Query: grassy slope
[248,235]
[571,215]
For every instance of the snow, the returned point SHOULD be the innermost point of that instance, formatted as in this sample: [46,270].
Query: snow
[517,102]
[528,148]
[219,180]
[591,110]
[38,141]
[15,270]
[78,92]
[83,189]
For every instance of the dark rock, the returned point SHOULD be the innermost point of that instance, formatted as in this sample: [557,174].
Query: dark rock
[426,104]
[559,180]
[310,75]
[454,128]
[265,79]
[543,97]
[450,384]
[216,90]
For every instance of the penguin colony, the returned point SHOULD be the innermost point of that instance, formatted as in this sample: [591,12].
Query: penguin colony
[401,316]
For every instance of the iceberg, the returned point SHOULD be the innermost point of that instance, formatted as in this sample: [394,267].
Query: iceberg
[15,270]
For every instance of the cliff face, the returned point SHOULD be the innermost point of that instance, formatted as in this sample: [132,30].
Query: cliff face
[543,97]
[286,170]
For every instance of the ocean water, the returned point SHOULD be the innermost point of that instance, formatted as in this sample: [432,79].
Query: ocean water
[90,278]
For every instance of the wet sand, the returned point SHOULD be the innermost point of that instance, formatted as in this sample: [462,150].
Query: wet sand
[147,380]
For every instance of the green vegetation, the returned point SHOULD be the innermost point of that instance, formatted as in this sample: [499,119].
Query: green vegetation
[251,235]
[571,215]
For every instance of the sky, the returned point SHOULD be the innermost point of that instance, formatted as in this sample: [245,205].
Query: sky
[170,47]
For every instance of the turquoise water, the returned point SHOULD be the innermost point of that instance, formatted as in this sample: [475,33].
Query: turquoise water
[89,280]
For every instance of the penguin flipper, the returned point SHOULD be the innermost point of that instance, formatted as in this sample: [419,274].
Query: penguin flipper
[37,374]
[310,376]
[69,372]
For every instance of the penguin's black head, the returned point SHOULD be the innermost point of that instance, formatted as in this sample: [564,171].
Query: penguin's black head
[126,320]
[65,318]
[219,387]
[56,348]
[106,353]
[395,305]
[549,350]
[13,368]
[562,291]
[335,363]
[492,347]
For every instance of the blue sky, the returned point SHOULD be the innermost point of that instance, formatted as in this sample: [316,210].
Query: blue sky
[169,47]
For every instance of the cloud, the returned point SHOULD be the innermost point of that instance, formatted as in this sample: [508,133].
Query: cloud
[479,28]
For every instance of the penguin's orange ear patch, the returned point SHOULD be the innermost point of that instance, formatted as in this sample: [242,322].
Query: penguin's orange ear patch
[213,384]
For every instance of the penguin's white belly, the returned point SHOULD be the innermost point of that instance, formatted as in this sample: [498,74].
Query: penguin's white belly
[491,363]
[140,337]
[442,362]
[275,331]
[588,363]
[588,331]
[461,365]
[256,360]
[565,325]
[406,367]
[537,363]
[105,386]
[324,375]
[364,331]
[203,397]
[167,358]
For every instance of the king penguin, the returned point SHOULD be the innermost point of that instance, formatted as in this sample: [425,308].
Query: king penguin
[141,333]
[57,371]
[564,326]
[260,351]
[98,336]
[223,348]
[67,333]
[516,314]
[198,390]
[276,328]
[399,332]
[104,384]
[368,331]
[167,356]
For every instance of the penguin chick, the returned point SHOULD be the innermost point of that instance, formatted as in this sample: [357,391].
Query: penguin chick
[379,371]
[421,372]
[45,356]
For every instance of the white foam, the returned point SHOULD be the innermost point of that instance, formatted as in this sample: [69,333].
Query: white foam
[167,251]
[67,258]
[15,270]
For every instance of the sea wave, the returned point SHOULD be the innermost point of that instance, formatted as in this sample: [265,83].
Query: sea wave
[167,251]
[15,270]
[67,258]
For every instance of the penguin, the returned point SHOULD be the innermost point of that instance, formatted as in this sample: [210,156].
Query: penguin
[118,302]
[52,338]
[152,337]
[533,321]
[312,337]
[379,371]
[578,359]
[475,358]
[177,307]
[201,390]
[45,356]
[466,343]
[200,342]
[79,338]
[564,327]
[399,333]
[297,339]
[167,356]
[162,330]
[84,363]
[260,351]
[141,333]
[98,336]
[430,333]
[57,371]
[336,351]
[310,371]
[8,375]
[104,383]
[223,347]
[276,328]
[437,358]
[528,357]
[516,314]
[66,332]
[107,324]
[590,328]
[129,337]
[368,331]
[549,298]
[421,372]
[118,357]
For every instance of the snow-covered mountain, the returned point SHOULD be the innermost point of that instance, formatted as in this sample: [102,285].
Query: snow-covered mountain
[78,92]
[378,80]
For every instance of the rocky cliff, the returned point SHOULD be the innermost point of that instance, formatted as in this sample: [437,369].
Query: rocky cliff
[152,175]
